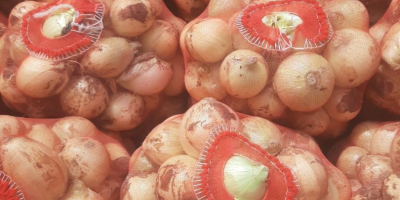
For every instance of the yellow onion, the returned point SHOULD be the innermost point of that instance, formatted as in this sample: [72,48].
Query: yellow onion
[353,55]
[41,78]
[202,80]
[77,190]
[131,18]
[84,96]
[147,75]
[267,104]
[347,14]
[146,181]
[200,120]
[174,178]
[87,160]
[34,167]
[304,81]
[207,40]
[243,73]
[109,57]
[162,142]
[161,38]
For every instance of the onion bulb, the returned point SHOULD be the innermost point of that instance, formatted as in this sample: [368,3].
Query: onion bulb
[347,14]
[304,81]
[109,57]
[41,78]
[131,18]
[207,40]
[174,178]
[147,75]
[243,73]
[267,104]
[353,55]
[202,80]
[161,38]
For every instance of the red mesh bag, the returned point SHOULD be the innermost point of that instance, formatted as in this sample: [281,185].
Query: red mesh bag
[65,158]
[301,63]
[213,152]
[92,58]
[370,159]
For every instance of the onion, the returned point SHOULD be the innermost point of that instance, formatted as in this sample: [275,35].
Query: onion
[87,160]
[224,9]
[353,55]
[84,96]
[174,178]
[308,171]
[390,47]
[43,134]
[124,111]
[72,127]
[161,38]
[199,121]
[109,57]
[41,78]
[16,14]
[146,181]
[313,123]
[147,75]
[344,104]
[267,104]
[243,73]
[162,142]
[263,133]
[348,159]
[207,40]
[22,157]
[347,14]
[202,80]
[77,189]
[308,85]
[131,18]
[362,134]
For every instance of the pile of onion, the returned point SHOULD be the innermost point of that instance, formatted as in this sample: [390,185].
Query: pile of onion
[302,63]
[59,159]
[383,89]
[91,58]
[370,159]
[213,152]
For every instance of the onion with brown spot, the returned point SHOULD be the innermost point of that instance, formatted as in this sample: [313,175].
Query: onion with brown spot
[147,75]
[87,160]
[353,55]
[162,142]
[174,178]
[267,104]
[131,18]
[124,111]
[202,80]
[41,78]
[84,96]
[109,57]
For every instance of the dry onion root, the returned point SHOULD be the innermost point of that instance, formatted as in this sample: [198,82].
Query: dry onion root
[370,159]
[69,155]
[244,157]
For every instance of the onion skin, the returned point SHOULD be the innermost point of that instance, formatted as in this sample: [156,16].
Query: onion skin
[146,181]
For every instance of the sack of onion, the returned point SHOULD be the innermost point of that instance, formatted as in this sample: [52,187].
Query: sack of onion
[370,159]
[91,58]
[59,159]
[213,152]
[283,60]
